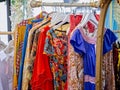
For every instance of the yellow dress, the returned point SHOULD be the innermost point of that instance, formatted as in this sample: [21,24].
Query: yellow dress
[19,36]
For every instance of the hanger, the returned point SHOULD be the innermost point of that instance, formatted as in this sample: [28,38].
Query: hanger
[2,45]
[88,17]
[10,47]
[65,20]
[57,18]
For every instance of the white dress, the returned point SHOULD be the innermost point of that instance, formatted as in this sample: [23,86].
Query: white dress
[6,69]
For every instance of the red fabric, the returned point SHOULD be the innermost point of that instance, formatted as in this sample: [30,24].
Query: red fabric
[42,77]
[74,21]
[97,16]
[91,27]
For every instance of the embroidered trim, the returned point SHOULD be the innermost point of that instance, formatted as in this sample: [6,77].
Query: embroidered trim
[88,78]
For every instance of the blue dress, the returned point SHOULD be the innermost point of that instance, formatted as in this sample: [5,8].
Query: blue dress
[88,51]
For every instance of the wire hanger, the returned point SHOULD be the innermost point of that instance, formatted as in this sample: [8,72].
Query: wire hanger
[2,45]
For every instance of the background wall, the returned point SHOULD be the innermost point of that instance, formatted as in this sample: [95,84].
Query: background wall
[3,21]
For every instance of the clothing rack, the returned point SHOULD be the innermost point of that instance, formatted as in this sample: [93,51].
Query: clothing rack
[103,4]
[40,4]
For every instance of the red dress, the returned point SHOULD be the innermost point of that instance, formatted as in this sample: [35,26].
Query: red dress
[42,77]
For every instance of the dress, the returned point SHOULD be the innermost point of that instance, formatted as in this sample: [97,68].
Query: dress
[118,71]
[85,46]
[42,77]
[75,62]
[27,62]
[28,27]
[108,77]
[19,33]
[6,70]
[56,49]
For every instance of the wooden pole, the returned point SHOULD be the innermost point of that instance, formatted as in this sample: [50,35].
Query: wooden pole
[8,18]
[6,33]
[99,55]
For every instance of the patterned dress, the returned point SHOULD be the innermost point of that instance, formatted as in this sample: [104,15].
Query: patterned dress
[75,61]
[56,49]
[85,46]
[108,77]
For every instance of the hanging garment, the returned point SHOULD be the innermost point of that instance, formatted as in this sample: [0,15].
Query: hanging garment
[56,49]
[28,27]
[33,55]
[27,62]
[85,46]
[115,62]
[118,71]
[19,38]
[6,68]
[75,63]
[108,77]
[42,78]
[19,33]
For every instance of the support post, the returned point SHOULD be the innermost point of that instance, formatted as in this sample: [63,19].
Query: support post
[99,55]
[8,19]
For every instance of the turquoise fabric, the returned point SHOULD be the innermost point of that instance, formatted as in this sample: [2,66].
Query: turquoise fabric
[107,20]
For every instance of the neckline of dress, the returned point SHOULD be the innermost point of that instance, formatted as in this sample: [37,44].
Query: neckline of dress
[91,40]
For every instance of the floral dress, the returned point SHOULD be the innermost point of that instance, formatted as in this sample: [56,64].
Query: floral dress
[56,49]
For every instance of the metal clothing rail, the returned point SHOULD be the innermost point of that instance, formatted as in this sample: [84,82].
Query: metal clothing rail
[39,4]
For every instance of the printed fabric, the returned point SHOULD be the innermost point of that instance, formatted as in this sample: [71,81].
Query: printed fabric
[85,46]
[108,77]
[118,71]
[28,27]
[26,77]
[33,55]
[19,33]
[75,62]
[56,49]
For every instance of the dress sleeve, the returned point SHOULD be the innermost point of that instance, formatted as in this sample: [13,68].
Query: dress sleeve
[77,42]
[109,39]
[48,48]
